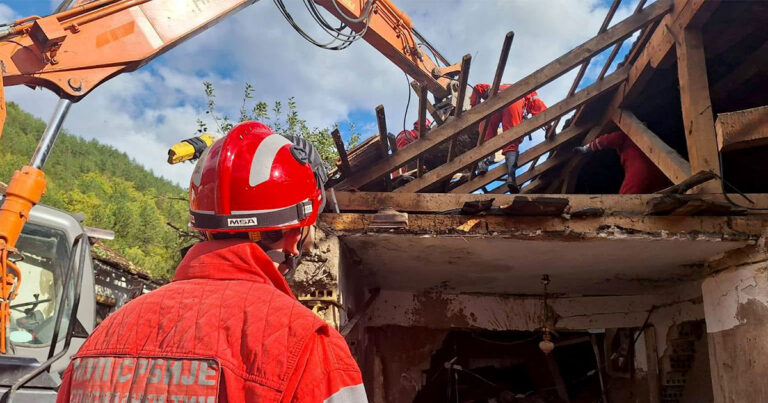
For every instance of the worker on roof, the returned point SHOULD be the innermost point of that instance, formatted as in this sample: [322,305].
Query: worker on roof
[403,139]
[227,328]
[406,137]
[640,174]
[509,117]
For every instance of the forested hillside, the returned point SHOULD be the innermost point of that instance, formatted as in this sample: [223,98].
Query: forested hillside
[107,186]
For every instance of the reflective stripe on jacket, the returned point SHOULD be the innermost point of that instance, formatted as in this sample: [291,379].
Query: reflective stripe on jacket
[226,329]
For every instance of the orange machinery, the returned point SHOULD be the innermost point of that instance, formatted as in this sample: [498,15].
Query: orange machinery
[76,49]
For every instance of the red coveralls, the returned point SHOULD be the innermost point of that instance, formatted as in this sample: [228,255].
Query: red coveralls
[512,115]
[406,137]
[226,328]
[640,174]
[402,139]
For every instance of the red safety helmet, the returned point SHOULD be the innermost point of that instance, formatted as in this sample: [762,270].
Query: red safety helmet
[254,180]
[416,124]
[479,92]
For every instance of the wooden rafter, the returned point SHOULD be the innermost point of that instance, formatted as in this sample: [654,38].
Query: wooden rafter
[698,119]
[675,167]
[535,171]
[525,157]
[511,94]
[517,132]
[657,52]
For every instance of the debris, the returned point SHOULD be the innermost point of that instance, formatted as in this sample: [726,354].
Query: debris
[476,207]
[467,226]
[536,206]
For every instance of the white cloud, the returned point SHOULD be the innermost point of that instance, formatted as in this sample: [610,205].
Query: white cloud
[143,113]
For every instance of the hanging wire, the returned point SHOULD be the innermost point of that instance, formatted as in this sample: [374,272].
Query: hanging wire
[341,37]
[407,104]
[367,11]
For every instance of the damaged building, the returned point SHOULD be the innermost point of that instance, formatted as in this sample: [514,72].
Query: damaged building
[449,289]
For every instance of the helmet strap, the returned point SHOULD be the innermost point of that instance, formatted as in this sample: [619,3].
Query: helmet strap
[290,261]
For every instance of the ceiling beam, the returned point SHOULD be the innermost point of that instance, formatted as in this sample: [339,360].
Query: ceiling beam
[540,77]
[442,202]
[674,167]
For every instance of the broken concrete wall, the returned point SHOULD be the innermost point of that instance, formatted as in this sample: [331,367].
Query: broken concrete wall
[736,310]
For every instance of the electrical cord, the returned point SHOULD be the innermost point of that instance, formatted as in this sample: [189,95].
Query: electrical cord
[407,104]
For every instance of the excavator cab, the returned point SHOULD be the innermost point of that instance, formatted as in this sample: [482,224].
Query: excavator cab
[54,309]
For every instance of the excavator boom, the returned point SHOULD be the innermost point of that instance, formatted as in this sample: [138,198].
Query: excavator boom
[74,51]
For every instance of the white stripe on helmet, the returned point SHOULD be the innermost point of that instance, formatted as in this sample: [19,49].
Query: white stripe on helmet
[261,166]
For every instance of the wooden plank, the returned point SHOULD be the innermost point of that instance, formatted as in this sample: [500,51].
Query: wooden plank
[695,180]
[652,358]
[536,171]
[444,171]
[441,202]
[381,120]
[466,63]
[525,157]
[497,81]
[663,156]
[345,169]
[540,77]
[697,108]
[742,129]
[583,68]
[751,226]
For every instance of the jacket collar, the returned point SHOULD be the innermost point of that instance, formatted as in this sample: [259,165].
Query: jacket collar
[231,259]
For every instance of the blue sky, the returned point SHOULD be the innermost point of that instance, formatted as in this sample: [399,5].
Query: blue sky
[159,104]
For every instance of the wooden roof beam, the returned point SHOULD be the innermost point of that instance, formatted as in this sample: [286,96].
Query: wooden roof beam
[540,77]
[442,202]
[663,156]
[698,119]
[517,132]
[525,157]
[742,129]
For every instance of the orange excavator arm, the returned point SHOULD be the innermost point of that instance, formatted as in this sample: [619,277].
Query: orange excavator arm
[75,50]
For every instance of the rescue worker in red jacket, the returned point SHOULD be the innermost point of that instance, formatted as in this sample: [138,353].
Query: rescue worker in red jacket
[509,117]
[227,328]
[640,174]
[403,139]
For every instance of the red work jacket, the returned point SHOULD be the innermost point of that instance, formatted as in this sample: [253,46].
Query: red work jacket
[640,174]
[406,137]
[227,329]
[512,115]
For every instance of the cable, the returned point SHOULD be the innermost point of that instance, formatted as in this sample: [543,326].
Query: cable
[407,104]
[367,11]
[339,38]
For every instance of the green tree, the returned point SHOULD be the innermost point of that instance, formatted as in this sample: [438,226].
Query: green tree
[111,189]
[282,119]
